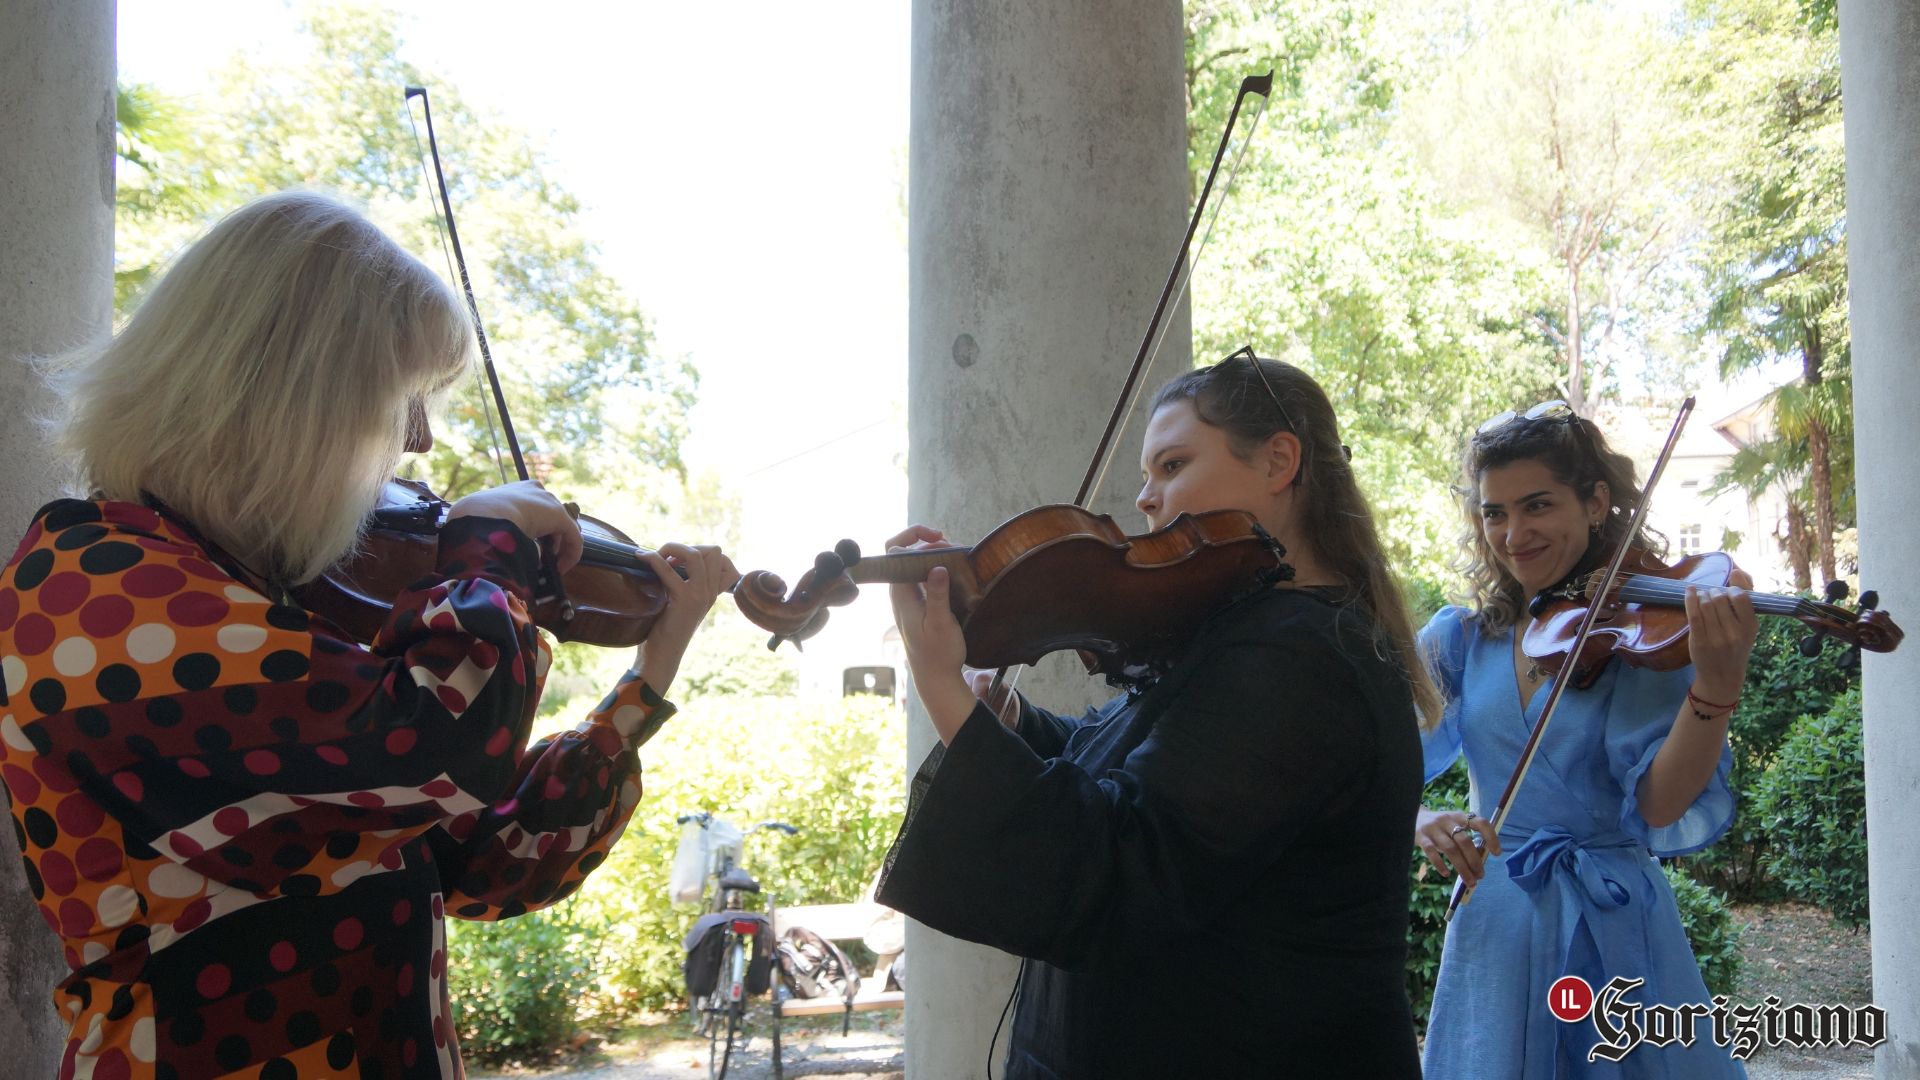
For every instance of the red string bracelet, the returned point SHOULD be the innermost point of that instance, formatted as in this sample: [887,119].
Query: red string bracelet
[1698,700]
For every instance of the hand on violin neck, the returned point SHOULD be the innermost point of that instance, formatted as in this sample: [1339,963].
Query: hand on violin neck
[935,646]
[534,511]
[1721,629]
[694,575]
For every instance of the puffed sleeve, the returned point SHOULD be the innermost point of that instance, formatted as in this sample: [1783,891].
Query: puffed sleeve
[1443,646]
[1639,715]
[1042,859]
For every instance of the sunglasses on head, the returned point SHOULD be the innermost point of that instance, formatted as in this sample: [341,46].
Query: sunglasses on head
[1546,410]
[1245,352]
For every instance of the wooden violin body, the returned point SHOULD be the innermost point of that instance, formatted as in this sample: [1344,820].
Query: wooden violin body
[1055,577]
[1643,619]
[609,598]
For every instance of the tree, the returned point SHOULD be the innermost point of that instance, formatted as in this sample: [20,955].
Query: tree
[1769,77]
[573,349]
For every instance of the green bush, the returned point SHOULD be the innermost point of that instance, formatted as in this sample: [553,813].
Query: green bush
[516,982]
[1814,803]
[835,769]
[1710,930]
[1431,891]
[1781,685]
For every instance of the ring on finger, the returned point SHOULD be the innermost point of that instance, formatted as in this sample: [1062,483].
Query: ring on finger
[1456,830]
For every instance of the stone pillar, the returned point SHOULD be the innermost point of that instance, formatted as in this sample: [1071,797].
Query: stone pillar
[1048,196]
[56,291]
[1880,73]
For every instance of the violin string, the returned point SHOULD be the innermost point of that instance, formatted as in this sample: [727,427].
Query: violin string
[446,256]
[1644,589]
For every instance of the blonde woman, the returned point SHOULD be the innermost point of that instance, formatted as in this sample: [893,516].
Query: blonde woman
[245,827]
[1635,763]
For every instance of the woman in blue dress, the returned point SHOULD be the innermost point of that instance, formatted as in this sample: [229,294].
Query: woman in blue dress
[1633,767]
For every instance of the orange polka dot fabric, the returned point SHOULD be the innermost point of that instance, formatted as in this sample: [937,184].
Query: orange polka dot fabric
[248,829]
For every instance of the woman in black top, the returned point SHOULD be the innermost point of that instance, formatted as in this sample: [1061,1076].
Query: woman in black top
[1208,875]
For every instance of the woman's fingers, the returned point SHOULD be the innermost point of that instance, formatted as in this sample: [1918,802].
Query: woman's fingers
[914,534]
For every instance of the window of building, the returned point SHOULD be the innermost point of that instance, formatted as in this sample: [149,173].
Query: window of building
[1690,539]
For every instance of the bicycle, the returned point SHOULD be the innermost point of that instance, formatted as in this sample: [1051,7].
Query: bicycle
[740,942]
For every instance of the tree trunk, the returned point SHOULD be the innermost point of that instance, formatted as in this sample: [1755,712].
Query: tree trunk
[1821,467]
[1798,553]
[1576,391]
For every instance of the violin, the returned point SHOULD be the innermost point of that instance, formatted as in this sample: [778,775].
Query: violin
[1643,618]
[610,597]
[1055,577]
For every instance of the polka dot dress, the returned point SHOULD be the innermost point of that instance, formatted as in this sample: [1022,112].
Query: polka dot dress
[247,829]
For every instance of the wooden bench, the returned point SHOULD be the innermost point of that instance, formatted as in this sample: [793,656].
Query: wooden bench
[837,923]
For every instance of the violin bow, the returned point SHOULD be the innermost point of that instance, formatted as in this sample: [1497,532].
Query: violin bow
[1260,86]
[466,282]
[1461,890]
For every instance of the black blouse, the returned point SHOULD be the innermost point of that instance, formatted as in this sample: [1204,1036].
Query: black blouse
[1209,878]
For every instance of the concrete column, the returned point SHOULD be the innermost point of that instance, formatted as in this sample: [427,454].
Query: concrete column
[56,291]
[1880,73]
[1048,195]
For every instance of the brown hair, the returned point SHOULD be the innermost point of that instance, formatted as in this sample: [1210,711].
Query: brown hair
[1333,512]
[1576,453]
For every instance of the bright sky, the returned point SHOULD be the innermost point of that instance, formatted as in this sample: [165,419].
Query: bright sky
[743,172]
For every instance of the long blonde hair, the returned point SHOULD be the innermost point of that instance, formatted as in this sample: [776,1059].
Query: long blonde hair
[1334,512]
[262,389]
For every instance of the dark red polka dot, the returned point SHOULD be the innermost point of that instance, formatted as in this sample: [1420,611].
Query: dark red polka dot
[503,541]
[213,981]
[555,788]
[193,915]
[401,740]
[439,912]
[79,815]
[53,923]
[98,859]
[197,609]
[194,768]
[332,755]
[402,911]
[63,592]
[404,982]
[230,820]
[390,857]
[131,514]
[129,785]
[76,918]
[439,789]
[262,762]
[105,616]
[484,653]
[153,580]
[409,1050]
[186,845]
[26,790]
[367,799]
[282,956]
[439,964]
[112,1065]
[497,742]
[9,609]
[347,934]
[203,568]
[439,1031]
[57,871]
[55,778]
[33,634]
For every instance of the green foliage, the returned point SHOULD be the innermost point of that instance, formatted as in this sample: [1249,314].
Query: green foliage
[832,769]
[517,982]
[1711,931]
[1431,891]
[1781,685]
[1814,803]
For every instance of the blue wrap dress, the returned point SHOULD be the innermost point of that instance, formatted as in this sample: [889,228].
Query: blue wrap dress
[1576,890]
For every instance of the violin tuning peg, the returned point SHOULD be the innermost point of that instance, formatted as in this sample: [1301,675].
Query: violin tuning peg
[1810,645]
[773,643]
[1869,600]
[1837,591]
[1850,660]
[827,566]
[848,551]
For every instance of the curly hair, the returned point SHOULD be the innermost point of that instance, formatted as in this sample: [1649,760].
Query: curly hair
[1333,510]
[1577,455]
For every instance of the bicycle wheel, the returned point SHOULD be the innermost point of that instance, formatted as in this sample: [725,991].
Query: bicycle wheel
[723,1031]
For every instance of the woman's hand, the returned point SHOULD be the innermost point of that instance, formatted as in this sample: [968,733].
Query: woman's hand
[936,648]
[532,509]
[693,576]
[1721,628]
[1449,835]
[1003,702]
